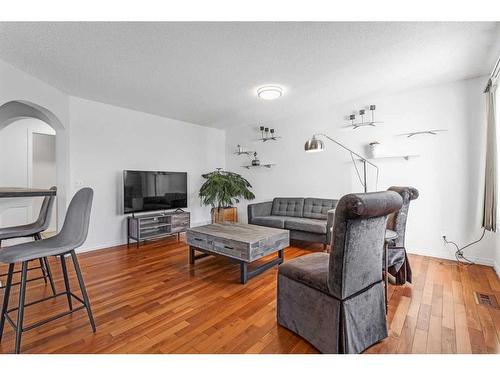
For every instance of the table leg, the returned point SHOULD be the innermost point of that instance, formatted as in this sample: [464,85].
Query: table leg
[191,255]
[243,272]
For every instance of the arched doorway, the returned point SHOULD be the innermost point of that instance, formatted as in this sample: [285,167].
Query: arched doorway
[34,123]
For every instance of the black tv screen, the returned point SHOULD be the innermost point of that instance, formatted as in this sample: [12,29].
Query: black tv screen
[154,191]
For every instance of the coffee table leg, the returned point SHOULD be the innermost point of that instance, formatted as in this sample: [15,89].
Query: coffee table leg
[246,274]
[191,255]
[243,272]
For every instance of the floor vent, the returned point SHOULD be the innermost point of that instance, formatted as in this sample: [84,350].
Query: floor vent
[486,299]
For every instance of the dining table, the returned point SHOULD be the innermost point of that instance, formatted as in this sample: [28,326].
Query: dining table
[21,192]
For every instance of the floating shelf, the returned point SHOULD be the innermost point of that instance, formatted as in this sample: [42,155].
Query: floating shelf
[244,153]
[240,151]
[265,139]
[357,125]
[406,157]
[258,166]
[428,132]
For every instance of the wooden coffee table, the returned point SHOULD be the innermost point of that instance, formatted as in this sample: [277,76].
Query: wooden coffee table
[244,243]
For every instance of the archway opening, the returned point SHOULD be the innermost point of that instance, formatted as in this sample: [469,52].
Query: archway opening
[33,144]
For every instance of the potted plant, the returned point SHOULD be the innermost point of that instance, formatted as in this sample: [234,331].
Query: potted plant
[221,190]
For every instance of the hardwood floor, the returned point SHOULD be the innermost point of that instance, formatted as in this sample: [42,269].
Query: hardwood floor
[151,301]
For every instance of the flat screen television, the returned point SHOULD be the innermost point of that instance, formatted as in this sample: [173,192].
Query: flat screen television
[153,191]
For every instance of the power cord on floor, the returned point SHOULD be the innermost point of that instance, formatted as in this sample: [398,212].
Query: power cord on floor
[459,254]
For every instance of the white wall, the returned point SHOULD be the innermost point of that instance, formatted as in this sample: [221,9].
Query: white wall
[448,173]
[106,139]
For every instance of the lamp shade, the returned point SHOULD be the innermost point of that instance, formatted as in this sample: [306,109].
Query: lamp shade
[314,145]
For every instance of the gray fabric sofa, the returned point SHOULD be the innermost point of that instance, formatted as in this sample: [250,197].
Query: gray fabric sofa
[336,301]
[307,219]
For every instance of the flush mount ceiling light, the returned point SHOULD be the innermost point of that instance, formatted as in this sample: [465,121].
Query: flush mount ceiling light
[269,92]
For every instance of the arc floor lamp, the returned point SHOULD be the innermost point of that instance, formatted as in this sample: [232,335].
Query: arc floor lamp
[316,145]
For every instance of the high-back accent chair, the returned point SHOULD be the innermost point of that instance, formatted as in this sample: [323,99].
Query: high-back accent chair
[336,301]
[71,236]
[34,230]
[399,265]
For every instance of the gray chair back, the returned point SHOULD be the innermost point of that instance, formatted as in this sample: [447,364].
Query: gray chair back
[397,220]
[43,220]
[358,243]
[76,224]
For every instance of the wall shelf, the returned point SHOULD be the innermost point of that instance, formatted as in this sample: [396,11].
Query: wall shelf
[405,157]
[249,153]
[240,151]
[258,166]
[265,139]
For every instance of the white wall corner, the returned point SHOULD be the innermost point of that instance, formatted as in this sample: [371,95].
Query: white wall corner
[496,267]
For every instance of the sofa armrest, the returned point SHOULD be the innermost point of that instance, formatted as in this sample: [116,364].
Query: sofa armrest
[330,221]
[259,209]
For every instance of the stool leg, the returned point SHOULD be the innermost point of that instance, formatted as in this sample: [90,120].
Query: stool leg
[66,282]
[49,273]
[42,267]
[83,289]
[20,312]
[6,296]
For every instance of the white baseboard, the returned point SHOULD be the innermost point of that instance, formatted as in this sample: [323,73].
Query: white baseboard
[496,267]
[442,255]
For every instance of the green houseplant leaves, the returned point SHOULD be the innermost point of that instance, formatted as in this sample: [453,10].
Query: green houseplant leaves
[223,189]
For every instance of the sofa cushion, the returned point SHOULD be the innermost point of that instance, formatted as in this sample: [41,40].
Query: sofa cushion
[317,208]
[270,221]
[288,207]
[311,269]
[305,225]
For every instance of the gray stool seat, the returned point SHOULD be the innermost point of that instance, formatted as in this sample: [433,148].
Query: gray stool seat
[32,229]
[35,250]
[26,230]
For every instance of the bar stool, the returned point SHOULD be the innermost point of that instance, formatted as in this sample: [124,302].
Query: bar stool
[34,230]
[71,236]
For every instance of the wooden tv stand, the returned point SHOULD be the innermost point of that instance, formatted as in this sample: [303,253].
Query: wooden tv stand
[157,225]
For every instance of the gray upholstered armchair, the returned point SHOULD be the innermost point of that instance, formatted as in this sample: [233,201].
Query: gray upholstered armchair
[336,301]
[399,266]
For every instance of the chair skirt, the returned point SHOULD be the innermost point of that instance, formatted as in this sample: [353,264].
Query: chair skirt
[329,324]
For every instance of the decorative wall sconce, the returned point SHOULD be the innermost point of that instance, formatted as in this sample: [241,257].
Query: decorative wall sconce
[364,123]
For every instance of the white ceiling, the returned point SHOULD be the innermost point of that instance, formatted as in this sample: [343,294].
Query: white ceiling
[207,73]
